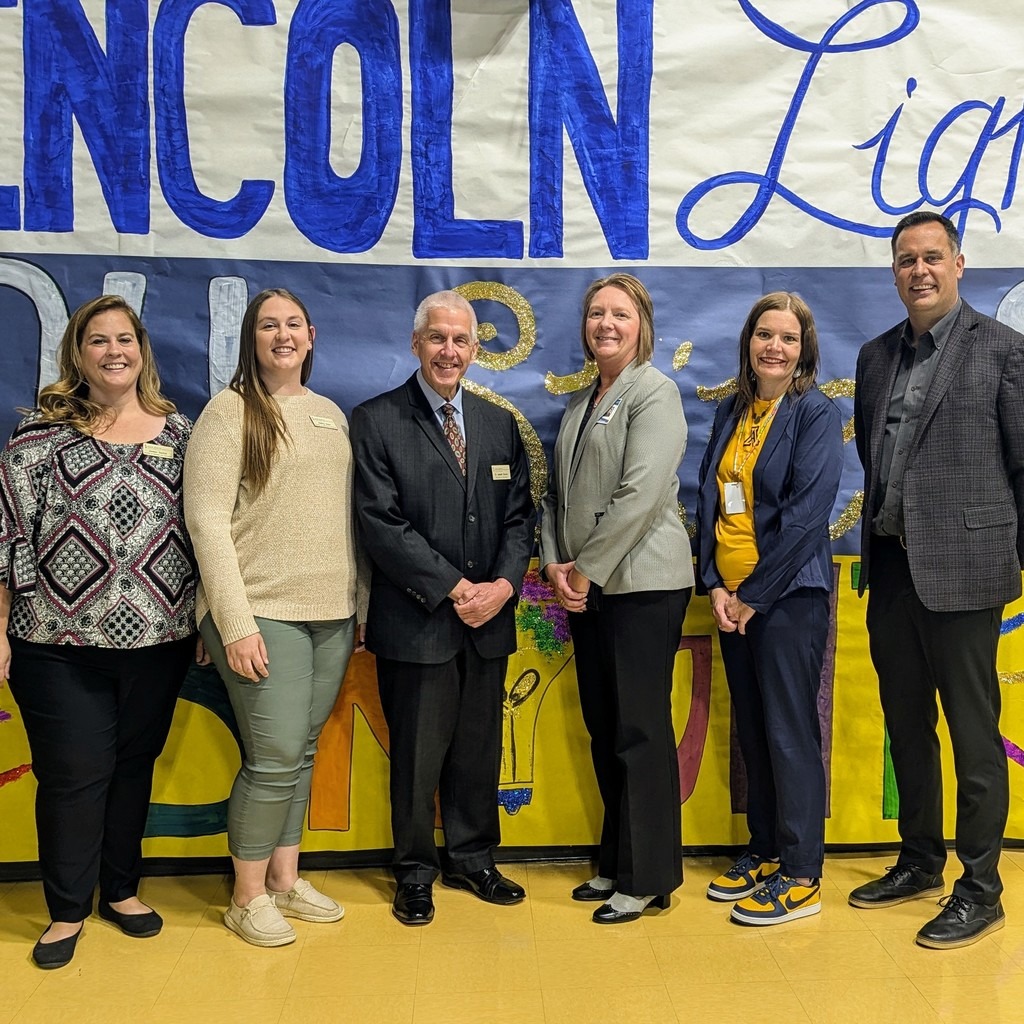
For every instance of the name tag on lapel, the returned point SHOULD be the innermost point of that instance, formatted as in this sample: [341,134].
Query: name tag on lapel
[607,417]
[324,422]
[500,472]
[158,451]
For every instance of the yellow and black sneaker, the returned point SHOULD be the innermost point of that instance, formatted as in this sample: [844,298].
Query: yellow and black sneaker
[780,899]
[746,876]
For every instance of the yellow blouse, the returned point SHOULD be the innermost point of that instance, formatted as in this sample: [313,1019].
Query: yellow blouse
[735,541]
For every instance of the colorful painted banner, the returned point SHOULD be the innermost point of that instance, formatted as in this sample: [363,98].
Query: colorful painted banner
[188,153]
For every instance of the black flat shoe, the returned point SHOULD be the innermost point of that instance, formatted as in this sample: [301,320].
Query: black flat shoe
[586,893]
[50,955]
[414,903]
[608,915]
[138,926]
[487,884]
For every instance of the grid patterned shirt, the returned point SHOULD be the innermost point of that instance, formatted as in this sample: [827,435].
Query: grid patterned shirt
[92,537]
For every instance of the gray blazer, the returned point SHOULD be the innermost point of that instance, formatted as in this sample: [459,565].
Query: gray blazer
[614,507]
[963,488]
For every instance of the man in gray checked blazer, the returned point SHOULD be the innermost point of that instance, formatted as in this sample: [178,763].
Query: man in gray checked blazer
[939,414]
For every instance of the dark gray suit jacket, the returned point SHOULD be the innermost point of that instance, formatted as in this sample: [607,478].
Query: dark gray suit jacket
[963,489]
[425,526]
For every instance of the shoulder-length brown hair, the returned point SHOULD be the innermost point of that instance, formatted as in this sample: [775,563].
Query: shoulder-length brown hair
[644,307]
[263,427]
[807,366]
[67,400]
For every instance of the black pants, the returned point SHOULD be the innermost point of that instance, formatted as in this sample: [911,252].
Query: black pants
[444,723]
[917,653]
[625,654]
[774,674]
[96,721]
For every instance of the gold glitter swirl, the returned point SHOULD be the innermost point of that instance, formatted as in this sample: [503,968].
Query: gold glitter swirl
[848,517]
[1009,678]
[682,355]
[488,332]
[716,394]
[531,442]
[571,381]
[691,527]
[849,432]
[840,387]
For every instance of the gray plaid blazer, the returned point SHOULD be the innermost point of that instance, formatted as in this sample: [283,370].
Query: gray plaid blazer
[963,490]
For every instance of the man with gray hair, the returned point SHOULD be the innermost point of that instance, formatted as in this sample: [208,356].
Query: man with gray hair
[444,510]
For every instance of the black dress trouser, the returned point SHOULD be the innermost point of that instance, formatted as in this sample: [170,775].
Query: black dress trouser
[96,720]
[918,653]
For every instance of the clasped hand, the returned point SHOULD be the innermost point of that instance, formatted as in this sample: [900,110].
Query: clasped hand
[477,603]
[570,586]
[731,614]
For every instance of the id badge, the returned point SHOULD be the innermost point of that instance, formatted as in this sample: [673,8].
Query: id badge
[735,503]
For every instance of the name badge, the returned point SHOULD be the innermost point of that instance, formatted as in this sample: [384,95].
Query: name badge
[735,503]
[501,473]
[158,451]
[607,417]
[324,422]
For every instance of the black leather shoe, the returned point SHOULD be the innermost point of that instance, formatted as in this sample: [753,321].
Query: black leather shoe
[607,914]
[899,884]
[960,923]
[586,893]
[49,955]
[414,903]
[138,926]
[489,884]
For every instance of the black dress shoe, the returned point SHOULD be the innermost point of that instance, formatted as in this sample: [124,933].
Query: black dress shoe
[49,955]
[586,893]
[489,884]
[960,923]
[414,903]
[899,884]
[138,926]
[607,914]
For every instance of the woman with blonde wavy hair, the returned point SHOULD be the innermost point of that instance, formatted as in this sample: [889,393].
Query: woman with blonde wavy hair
[276,604]
[96,612]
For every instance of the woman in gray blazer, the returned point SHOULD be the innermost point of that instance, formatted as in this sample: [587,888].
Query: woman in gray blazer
[617,556]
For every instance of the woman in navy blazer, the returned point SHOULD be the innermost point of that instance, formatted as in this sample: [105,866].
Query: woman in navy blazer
[767,484]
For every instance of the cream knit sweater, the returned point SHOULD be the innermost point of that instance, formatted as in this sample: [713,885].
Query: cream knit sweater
[287,554]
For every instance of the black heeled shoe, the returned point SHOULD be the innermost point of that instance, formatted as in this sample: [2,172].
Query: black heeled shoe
[50,955]
[138,926]
[607,914]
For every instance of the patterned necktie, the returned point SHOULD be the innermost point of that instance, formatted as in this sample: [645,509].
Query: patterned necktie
[454,435]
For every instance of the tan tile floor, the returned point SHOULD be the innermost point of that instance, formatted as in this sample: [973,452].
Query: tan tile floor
[542,962]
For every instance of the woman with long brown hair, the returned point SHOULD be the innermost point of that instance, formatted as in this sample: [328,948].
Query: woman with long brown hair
[268,486]
[97,595]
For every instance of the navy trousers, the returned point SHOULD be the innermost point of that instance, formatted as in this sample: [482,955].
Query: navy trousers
[774,674]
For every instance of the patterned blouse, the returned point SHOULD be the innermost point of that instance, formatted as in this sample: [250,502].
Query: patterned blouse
[92,537]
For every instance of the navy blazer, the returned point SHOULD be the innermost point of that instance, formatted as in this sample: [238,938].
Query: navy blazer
[425,526]
[796,480]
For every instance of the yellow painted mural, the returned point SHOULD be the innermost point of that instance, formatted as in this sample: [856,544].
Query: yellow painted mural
[547,786]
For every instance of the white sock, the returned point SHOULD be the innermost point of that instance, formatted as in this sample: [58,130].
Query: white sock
[623,904]
[600,882]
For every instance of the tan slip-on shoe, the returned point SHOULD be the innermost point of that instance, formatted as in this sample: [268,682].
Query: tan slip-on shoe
[260,923]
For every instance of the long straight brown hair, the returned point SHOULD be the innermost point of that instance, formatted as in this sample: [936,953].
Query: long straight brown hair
[263,427]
